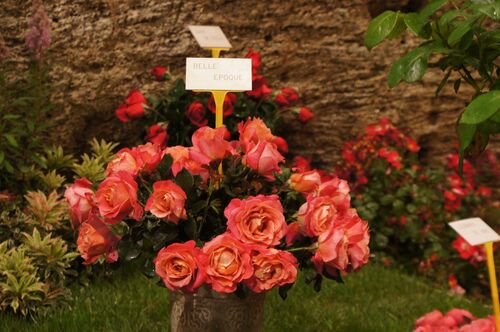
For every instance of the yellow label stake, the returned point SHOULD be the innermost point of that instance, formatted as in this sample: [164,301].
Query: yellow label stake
[493,282]
[219,97]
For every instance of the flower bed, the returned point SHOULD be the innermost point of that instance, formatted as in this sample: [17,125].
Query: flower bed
[408,205]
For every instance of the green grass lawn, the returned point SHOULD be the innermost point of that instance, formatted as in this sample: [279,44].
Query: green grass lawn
[374,299]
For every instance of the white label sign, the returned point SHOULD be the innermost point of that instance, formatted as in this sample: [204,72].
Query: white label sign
[475,231]
[209,36]
[218,74]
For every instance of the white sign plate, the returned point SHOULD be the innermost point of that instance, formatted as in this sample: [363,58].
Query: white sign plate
[209,36]
[226,74]
[475,231]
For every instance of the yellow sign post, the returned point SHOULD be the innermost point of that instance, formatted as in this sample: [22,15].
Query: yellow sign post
[219,96]
[476,232]
[493,282]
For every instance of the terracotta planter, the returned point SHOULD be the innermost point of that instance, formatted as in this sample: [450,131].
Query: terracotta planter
[209,311]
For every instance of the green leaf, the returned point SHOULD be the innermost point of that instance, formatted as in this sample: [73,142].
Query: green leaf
[283,290]
[399,28]
[456,85]
[165,164]
[190,228]
[460,30]
[415,65]
[396,73]
[443,82]
[12,141]
[490,127]
[317,283]
[432,7]
[447,17]
[8,166]
[417,24]
[128,250]
[492,10]
[481,108]
[148,269]
[380,28]
[466,134]
[185,180]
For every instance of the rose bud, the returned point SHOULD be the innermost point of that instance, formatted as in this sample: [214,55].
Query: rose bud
[286,97]
[160,73]
[229,101]
[304,114]
[196,113]
[96,240]
[158,135]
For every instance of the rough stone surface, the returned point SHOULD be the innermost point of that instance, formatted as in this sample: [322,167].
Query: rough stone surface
[103,48]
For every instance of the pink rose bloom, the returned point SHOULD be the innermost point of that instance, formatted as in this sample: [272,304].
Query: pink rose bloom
[80,198]
[332,252]
[305,182]
[167,201]
[338,190]
[210,144]
[460,316]
[358,238]
[228,263]
[345,247]
[256,220]
[150,155]
[319,215]
[116,198]
[181,266]
[480,325]
[264,158]
[96,240]
[252,131]
[272,268]
[429,319]
[181,159]
[125,160]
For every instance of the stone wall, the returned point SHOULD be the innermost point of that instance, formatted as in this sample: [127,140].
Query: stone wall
[101,49]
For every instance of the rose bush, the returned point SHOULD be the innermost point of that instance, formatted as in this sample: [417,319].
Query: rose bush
[408,205]
[224,213]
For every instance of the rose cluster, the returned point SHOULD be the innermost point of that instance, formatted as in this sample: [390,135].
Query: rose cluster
[339,235]
[250,248]
[455,320]
[382,141]
[244,254]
